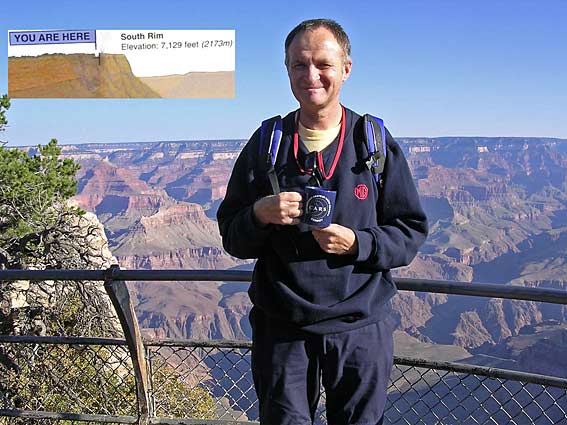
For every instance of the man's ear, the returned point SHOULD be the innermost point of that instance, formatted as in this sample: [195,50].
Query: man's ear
[347,68]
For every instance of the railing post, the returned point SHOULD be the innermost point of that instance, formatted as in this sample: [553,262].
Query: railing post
[118,293]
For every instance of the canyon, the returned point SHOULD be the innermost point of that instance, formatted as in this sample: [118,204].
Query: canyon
[498,214]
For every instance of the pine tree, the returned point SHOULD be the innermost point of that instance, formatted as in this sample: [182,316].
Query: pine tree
[33,191]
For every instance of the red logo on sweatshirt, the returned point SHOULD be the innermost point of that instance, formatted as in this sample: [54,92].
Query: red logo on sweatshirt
[361,191]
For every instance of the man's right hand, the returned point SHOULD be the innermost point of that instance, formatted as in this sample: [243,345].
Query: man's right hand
[284,208]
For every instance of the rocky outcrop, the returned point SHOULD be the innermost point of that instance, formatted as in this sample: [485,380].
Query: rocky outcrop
[32,307]
[470,331]
[495,320]
[177,237]
[412,311]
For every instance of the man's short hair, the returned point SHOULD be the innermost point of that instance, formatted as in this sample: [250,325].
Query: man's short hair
[312,24]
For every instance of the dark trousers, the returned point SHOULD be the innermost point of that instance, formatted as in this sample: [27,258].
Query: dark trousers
[288,365]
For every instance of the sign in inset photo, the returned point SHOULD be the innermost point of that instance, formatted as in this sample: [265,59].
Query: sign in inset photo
[121,64]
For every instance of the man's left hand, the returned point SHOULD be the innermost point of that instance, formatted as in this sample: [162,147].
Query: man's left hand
[336,239]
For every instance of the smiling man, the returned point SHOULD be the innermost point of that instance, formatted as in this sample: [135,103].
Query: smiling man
[317,67]
[321,296]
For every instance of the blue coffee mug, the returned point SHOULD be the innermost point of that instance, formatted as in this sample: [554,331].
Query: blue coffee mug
[318,206]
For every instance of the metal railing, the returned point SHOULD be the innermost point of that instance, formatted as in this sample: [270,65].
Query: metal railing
[101,380]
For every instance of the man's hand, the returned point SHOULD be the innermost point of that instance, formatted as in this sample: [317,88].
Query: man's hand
[336,239]
[284,208]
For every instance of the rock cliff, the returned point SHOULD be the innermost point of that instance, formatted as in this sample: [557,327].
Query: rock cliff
[43,308]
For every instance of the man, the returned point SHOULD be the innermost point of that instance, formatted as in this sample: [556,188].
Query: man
[321,296]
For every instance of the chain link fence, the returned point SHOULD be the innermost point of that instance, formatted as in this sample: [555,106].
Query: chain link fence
[64,380]
[417,394]
[93,380]
[82,376]
[425,395]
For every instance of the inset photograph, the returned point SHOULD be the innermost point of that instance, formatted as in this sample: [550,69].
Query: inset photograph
[121,64]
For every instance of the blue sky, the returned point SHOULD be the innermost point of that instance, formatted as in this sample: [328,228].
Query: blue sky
[429,68]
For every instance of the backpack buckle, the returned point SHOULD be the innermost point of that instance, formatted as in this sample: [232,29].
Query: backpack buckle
[376,163]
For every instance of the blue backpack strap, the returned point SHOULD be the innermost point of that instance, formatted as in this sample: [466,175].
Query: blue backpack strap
[375,137]
[270,138]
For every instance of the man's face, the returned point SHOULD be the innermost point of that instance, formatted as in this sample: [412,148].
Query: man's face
[316,68]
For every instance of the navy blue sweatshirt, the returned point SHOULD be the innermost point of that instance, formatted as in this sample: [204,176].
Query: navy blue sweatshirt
[294,280]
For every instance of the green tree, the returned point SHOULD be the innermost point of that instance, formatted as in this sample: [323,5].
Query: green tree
[33,191]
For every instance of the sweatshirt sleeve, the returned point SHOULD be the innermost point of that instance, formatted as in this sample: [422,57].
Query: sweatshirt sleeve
[241,236]
[402,225]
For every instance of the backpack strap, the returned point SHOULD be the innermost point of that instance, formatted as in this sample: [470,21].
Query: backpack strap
[270,138]
[375,137]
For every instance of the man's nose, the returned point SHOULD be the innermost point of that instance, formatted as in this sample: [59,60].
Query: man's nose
[313,74]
